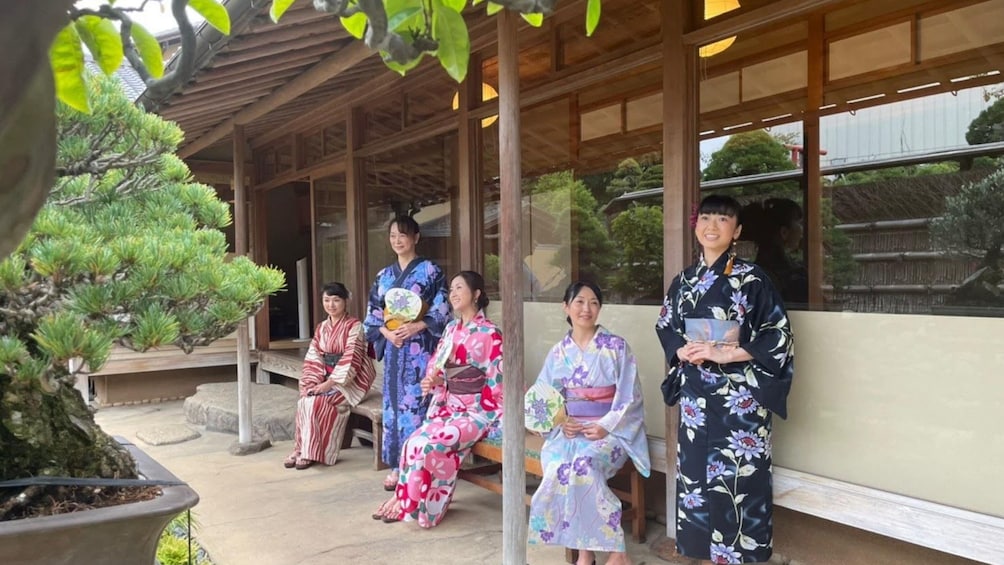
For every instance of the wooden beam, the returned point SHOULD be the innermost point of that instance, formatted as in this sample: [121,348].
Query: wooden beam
[469,220]
[356,217]
[242,80]
[748,20]
[330,27]
[681,179]
[261,325]
[514,525]
[198,103]
[244,417]
[813,181]
[302,57]
[331,110]
[331,165]
[330,67]
[278,50]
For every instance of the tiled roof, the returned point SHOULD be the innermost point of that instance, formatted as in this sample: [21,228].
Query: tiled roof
[127,76]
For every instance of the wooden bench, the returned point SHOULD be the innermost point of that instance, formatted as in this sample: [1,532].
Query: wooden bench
[365,419]
[633,500]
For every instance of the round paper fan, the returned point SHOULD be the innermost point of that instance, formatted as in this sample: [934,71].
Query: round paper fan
[545,408]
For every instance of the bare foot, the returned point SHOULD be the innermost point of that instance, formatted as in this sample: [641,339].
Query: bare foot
[392,513]
[383,508]
[586,557]
[390,481]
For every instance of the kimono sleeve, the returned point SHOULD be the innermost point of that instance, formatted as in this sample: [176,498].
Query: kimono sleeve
[771,345]
[434,294]
[434,369]
[487,356]
[626,418]
[312,373]
[669,327]
[374,318]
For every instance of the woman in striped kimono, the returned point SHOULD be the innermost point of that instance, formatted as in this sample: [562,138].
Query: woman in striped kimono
[596,373]
[464,381]
[336,376]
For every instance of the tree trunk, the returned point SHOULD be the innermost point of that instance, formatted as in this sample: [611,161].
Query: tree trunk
[53,435]
[27,113]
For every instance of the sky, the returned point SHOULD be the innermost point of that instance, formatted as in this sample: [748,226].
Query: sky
[155,17]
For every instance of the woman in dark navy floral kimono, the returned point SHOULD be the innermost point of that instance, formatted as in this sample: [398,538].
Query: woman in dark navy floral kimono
[728,342]
[405,350]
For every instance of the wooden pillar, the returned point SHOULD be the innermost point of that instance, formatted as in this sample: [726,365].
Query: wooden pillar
[514,525]
[315,307]
[470,201]
[355,213]
[680,179]
[811,167]
[241,249]
[261,320]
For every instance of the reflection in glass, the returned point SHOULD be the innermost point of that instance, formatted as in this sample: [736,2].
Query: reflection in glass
[418,179]
[331,225]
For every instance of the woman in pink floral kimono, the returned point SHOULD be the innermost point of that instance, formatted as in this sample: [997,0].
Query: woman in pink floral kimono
[337,374]
[464,380]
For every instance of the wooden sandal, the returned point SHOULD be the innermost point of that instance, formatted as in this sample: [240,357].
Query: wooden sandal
[378,515]
[290,461]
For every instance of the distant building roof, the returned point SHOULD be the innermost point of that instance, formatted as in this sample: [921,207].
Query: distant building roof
[127,76]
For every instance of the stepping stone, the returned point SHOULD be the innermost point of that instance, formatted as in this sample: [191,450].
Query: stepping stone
[273,409]
[167,435]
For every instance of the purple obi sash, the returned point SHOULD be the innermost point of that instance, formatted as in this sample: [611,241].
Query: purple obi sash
[464,379]
[589,403]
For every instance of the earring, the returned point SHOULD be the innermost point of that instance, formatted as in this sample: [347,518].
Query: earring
[732,258]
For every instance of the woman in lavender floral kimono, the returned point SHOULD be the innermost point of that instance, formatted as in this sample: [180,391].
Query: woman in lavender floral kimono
[596,372]
[729,345]
[405,350]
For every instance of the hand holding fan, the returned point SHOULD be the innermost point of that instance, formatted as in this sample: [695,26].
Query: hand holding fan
[545,408]
[400,307]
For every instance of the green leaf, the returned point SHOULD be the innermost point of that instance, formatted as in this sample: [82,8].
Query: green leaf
[395,21]
[592,16]
[103,41]
[455,5]
[535,20]
[355,24]
[476,2]
[214,12]
[398,67]
[149,50]
[279,8]
[493,8]
[67,59]
[450,30]
[404,14]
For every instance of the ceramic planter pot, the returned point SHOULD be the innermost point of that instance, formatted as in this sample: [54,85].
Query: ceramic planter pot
[126,534]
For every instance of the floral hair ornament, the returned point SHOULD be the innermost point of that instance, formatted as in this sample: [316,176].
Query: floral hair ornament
[545,408]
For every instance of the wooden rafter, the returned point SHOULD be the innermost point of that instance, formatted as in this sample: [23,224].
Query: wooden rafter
[334,64]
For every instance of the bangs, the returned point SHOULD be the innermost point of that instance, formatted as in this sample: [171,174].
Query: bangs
[721,205]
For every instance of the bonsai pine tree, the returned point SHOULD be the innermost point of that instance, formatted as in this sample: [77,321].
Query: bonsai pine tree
[127,250]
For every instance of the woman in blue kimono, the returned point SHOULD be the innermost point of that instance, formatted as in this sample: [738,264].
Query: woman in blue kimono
[405,350]
[596,373]
[728,343]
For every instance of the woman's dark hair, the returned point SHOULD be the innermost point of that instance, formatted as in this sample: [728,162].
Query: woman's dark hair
[405,224]
[720,204]
[336,289]
[764,220]
[575,288]
[475,281]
